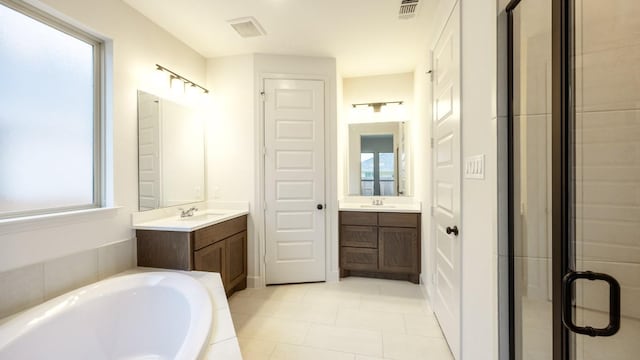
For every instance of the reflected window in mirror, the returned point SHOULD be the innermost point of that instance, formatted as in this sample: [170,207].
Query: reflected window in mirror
[378,160]
[377,164]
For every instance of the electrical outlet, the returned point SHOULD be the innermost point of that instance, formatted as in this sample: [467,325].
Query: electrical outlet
[474,167]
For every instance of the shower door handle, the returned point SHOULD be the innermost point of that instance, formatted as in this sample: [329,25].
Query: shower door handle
[614,303]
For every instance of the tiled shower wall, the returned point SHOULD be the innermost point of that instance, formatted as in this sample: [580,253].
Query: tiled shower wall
[33,284]
[608,149]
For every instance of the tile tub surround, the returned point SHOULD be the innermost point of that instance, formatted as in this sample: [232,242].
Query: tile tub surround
[356,318]
[222,343]
[34,284]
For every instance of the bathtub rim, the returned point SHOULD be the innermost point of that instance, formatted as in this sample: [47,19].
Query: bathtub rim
[195,293]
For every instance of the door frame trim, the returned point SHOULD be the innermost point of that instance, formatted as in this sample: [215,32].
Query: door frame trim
[510,188]
[562,123]
[331,205]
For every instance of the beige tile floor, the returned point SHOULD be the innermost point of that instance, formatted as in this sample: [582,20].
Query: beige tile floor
[355,319]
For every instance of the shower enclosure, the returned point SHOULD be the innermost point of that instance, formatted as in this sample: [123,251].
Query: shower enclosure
[574,116]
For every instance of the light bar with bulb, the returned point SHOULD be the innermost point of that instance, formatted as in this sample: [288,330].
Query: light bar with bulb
[389,111]
[377,106]
[173,76]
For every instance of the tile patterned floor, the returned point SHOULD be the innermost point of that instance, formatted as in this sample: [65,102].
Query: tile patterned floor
[355,319]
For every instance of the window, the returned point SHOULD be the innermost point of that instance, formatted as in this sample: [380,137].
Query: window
[50,114]
[387,170]
[367,177]
[377,165]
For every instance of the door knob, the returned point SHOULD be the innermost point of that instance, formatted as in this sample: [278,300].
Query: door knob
[452,230]
[320,207]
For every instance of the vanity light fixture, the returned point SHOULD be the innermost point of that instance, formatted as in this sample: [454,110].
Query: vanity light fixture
[378,105]
[389,111]
[175,79]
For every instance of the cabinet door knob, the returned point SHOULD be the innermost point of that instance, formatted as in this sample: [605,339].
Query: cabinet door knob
[320,206]
[452,230]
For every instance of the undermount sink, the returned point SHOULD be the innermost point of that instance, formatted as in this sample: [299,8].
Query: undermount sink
[369,206]
[203,217]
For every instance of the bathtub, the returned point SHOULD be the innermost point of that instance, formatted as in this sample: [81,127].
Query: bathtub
[150,315]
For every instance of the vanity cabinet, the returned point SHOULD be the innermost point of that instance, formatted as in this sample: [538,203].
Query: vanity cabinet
[379,244]
[220,248]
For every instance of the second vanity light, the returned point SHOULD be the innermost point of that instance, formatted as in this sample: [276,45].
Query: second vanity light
[389,111]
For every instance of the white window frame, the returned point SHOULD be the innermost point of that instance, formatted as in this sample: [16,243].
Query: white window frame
[98,46]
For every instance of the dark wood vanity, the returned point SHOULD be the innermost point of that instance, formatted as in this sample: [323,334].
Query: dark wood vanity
[218,248]
[380,244]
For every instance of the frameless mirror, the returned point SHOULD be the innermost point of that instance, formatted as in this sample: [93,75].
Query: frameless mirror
[170,153]
[378,161]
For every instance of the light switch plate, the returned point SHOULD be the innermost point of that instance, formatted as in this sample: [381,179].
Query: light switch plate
[474,167]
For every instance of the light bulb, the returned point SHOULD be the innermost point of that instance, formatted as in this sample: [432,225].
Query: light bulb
[177,85]
[159,79]
[193,90]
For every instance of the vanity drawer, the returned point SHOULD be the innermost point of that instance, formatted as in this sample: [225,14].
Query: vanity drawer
[352,258]
[359,236]
[215,233]
[358,218]
[398,220]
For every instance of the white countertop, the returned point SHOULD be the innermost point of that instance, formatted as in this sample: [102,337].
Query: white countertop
[199,220]
[365,204]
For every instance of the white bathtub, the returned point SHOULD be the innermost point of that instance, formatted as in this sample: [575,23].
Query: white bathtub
[152,315]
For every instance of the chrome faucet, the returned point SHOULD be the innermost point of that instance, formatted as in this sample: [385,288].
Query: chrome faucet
[187,213]
[377,201]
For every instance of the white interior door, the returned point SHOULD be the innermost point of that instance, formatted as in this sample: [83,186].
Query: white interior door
[294,181]
[446,178]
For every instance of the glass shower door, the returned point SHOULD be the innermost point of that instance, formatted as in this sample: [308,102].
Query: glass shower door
[531,181]
[606,170]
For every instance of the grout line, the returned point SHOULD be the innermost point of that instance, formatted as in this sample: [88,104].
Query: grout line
[306,334]
[404,323]
[270,353]
[382,342]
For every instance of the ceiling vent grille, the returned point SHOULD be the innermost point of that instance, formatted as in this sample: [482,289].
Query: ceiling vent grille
[247,27]
[408,9]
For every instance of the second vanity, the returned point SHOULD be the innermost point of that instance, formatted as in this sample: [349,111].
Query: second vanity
[212,240]
[380,240]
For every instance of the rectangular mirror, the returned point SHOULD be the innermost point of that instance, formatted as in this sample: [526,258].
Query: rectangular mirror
[378,159]
[170,153]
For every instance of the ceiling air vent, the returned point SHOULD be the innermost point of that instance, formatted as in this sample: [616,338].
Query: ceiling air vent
[408,9]
[247,27]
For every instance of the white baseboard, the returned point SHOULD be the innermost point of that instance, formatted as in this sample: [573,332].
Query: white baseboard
[255,282]
[333,276]
[425,291]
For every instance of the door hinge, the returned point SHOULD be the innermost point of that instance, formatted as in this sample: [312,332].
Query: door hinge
[430,73]
[433,210]
[264,151]
[264,205]
[431,142]
[263,96]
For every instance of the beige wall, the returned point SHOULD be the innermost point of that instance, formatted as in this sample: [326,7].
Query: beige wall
[40,258]
[372,89]
[234,138]
[479,135]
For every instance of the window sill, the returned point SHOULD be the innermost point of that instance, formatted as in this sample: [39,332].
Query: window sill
[35,222]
